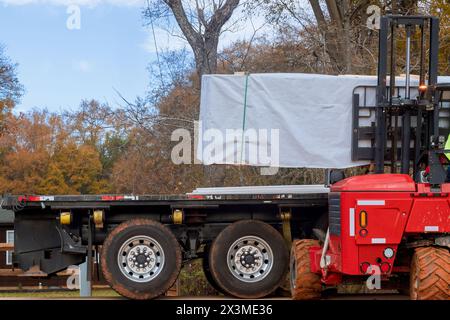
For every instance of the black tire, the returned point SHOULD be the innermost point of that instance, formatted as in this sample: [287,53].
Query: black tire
[165,277]
[207,269]
[260,286]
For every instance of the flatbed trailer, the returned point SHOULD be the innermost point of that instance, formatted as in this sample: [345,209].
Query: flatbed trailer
[391,224]
[53,232]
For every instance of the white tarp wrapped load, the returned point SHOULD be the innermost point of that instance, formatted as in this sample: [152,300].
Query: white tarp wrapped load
[285,120]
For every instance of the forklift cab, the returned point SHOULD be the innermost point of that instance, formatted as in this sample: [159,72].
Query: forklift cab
[437,158]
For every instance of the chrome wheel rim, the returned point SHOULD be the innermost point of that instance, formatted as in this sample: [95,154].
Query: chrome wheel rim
[141,259]
[250,259]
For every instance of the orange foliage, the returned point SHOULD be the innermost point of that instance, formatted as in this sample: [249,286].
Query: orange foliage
[39,156]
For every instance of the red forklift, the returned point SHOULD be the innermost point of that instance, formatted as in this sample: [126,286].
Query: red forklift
[395,225]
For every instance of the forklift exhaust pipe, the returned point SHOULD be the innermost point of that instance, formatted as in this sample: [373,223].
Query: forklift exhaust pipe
[408,63]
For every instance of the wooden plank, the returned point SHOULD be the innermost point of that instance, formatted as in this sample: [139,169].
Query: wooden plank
[10,272]
[6,247]
[67,273]
[20,273]
[33,272]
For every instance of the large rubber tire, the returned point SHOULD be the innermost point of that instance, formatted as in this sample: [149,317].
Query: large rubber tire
[228,281]
[166,276]
[430,274]
[207,269]
[305,285]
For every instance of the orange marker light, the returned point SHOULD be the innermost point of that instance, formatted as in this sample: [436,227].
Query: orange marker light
[363,219]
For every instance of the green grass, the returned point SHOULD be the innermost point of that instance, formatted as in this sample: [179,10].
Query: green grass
[100,293]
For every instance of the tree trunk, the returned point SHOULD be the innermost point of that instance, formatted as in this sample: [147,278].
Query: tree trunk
[337,33]
[346,35]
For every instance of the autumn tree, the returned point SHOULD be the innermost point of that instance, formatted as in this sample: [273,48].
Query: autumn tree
[441,9]
[90,121]
[332,30]
[41,156]
[335,32]
[97,125]
[282,54]
[10,88]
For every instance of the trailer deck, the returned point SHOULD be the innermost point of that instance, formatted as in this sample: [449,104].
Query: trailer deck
[298,195]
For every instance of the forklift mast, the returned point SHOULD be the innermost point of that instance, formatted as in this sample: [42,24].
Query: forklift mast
[409,121]
[391,104]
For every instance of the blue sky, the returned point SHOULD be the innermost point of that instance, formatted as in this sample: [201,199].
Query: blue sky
[60,67]
[112,50]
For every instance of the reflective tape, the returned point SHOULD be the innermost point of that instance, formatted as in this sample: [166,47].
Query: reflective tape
[431,228]
[371,202]
[352,222]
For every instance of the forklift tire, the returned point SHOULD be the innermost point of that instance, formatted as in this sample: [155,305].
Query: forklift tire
[207,270]
[141,259]
[430,274]
[248,259]
[305,285]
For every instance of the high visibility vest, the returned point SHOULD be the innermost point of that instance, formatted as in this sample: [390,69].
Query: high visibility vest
[447,147]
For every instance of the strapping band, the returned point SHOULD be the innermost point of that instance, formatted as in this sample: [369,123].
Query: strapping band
[245,114]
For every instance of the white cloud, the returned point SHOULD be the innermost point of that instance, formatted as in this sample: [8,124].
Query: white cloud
[86,3]
[83,66]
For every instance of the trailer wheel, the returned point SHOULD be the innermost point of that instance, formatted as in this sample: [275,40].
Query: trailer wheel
[305,285]
[248,259]
[207,269]
[430,274]
[141,259]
